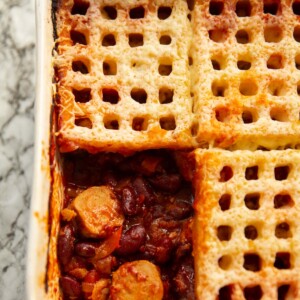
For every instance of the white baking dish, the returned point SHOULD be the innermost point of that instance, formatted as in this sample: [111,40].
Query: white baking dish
[42,270]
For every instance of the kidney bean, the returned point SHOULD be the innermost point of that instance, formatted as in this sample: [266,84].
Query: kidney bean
[110,179]
[105,265]
[179,210]
[143,190]
[70,286]
[184,279]
[85,249]
[129,202]
[131,240]
[65,244]
[166,182]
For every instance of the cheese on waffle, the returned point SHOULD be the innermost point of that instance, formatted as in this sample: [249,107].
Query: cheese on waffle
[246,238]
[123,75]
[246,73]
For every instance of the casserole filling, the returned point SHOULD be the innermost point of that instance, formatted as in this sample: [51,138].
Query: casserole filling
[126,227]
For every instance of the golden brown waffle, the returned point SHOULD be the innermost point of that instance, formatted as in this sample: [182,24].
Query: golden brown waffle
[246,78]
[122,75]
[246,225]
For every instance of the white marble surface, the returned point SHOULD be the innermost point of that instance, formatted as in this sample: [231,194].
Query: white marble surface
[17,40]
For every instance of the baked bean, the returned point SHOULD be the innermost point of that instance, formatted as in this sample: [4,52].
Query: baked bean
[65,244]
[129,202]
[85,249]
[143,190]
[184,279]
[166,182]
[179,210]
[70,286]
[131,240]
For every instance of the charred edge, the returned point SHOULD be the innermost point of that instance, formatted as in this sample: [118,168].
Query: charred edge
[52,152]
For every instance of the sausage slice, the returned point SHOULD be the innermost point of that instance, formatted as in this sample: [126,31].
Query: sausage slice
[99,211]
[135,281]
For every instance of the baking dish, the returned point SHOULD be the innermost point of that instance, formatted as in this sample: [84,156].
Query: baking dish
[38,284]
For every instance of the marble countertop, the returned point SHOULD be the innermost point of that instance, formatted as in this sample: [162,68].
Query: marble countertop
[17,93]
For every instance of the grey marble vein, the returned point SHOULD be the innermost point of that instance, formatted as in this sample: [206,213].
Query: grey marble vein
[17,40]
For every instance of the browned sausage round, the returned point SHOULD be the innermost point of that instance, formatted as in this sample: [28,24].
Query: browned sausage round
[137,280]
[99,211]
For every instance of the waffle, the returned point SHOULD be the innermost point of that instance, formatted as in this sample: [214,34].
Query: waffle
[121,71]
[246,225]
[246,79]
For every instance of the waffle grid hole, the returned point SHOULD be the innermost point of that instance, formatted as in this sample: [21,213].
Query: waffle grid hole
[218,35]
[218,62]
[226,174]
[165,95]
[164,12]
[195,129]
[277,88]
[191,4]
[222,114]
[224,202]
[225,293]
[297,61]
[249,116]
[165,67]
[109,12]
[282,261]
[279,114]
[296,34]
[250,232]
[80,7]
[82,95]
[253,292]
[219,88]
[248,87]
[281,172]
[224,232]
[225,262]
[139,95]
[165,39]
[81,66]
[296,8]
[135,40]
[298,88]
[252,262]
[139,124]
[275,62]
[242,36]
[271,7]
[137,12]
[283,292]
[109,40]
[167,123]
[111,122]
[244,64]
[216,7]
[251,173]
[110,95]
[84,122]
[243,8]
[273,34]
[78,37]
[109,67]
[252,201]
[283,201]
[282,231]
